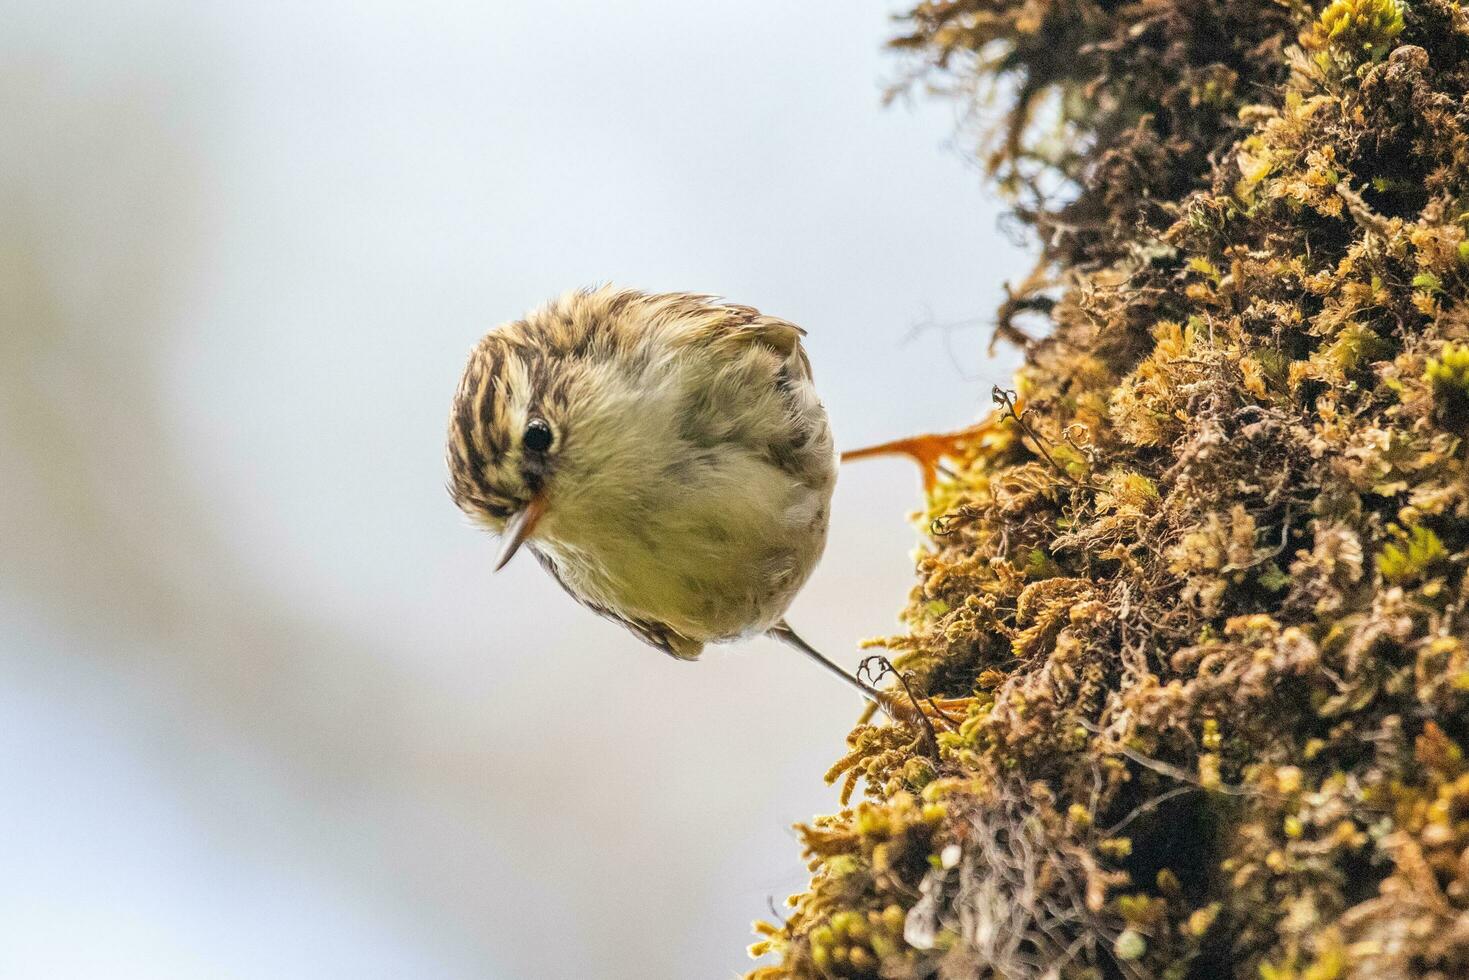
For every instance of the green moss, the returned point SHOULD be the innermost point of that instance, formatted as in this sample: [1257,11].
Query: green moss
[1411,557]
[1365,27]
[1448,377]
[1205,618]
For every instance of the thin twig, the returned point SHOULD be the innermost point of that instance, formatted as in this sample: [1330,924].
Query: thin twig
[1006,401]
[1175,772]
[1142,808]
[1366,218]
[1260,560]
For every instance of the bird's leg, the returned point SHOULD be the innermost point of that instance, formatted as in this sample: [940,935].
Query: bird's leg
[909,712]
[928,449]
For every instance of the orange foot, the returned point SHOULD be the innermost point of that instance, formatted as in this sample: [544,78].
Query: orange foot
[929,449]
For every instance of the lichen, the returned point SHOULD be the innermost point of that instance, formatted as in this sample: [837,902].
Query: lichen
[1206,591]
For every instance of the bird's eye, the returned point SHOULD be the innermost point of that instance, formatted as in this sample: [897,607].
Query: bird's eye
[537,436]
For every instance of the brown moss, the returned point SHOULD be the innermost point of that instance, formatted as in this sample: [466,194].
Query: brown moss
[1208,592]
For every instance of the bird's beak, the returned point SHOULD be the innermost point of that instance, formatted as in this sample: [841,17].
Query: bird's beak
[520,526]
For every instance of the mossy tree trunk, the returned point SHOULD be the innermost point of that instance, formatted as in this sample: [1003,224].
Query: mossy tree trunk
[1207,589]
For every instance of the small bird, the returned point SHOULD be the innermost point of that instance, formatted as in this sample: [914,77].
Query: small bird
[664,456]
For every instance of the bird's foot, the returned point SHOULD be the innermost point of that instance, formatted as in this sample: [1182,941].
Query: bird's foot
[924,713]
[931,448]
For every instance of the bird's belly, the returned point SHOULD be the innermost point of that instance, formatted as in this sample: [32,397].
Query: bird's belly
[713,562]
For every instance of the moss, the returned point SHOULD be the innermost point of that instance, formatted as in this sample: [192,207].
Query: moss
[1206,593]
[1358,27]
[1448,377]
[1412,557]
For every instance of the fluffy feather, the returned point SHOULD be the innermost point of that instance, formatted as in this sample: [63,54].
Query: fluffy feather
[688,485]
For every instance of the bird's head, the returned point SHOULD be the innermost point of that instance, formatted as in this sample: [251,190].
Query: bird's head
[506,432]
[580,418]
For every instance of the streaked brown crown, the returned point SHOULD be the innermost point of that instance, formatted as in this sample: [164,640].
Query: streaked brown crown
[525,369]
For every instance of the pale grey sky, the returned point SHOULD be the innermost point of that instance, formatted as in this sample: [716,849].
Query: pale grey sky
[264,710]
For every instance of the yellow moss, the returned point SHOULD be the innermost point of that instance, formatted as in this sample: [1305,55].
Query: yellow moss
[1448,377]
[1203,608]
[1412,556]
[1363,27]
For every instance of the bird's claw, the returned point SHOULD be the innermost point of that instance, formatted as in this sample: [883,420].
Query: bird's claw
[910,709]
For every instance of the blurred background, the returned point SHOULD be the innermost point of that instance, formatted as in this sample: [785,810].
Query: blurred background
[264,710]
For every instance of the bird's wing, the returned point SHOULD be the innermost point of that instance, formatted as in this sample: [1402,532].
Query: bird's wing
[659,635]
[746,324]
[751,386]
[717,325]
